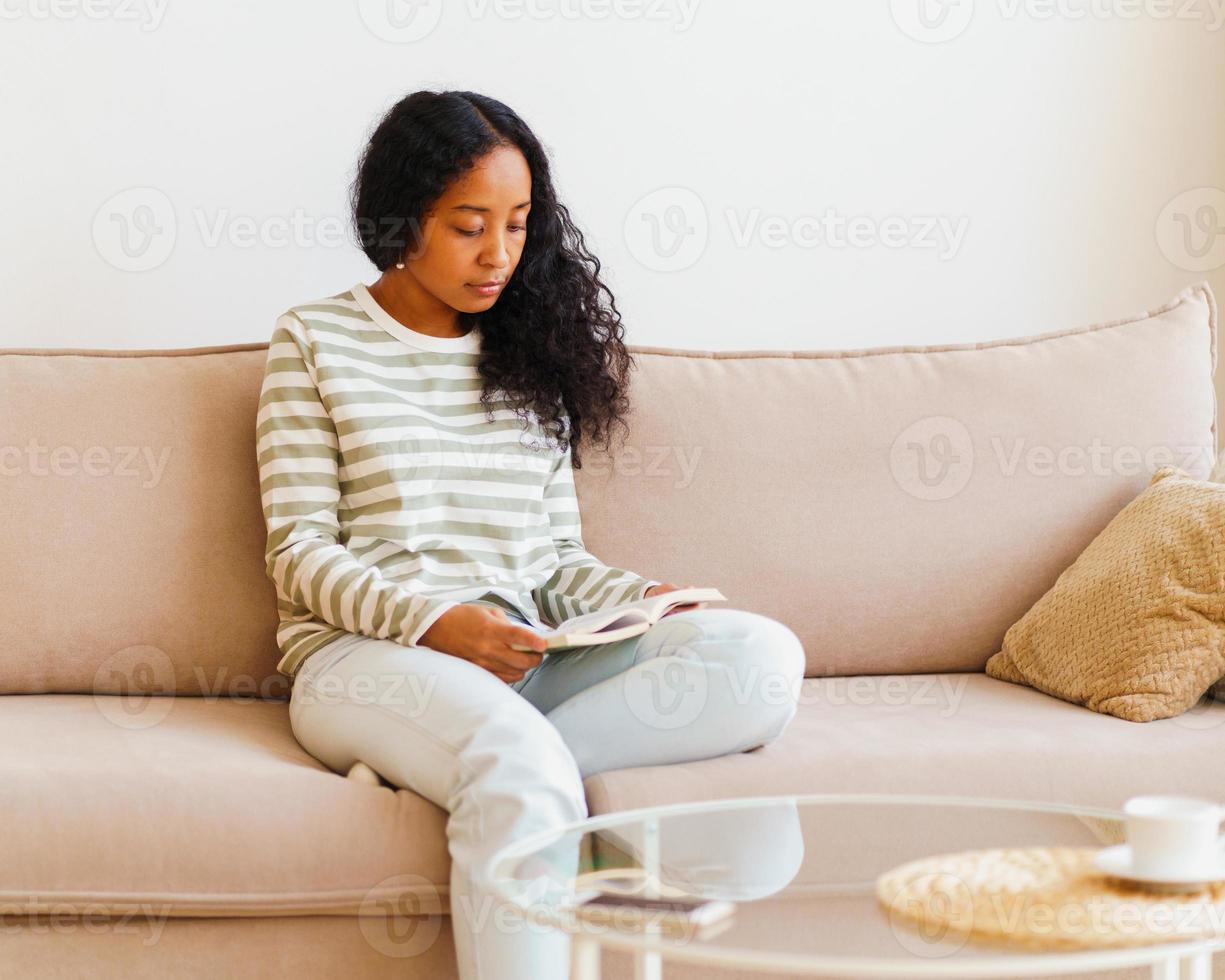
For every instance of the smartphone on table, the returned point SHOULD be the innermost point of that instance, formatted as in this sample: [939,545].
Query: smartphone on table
[682,914]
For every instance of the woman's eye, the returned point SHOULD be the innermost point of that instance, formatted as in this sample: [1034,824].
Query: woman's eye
[473,234]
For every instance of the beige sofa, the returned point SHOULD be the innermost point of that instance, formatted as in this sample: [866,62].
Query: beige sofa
[899,508]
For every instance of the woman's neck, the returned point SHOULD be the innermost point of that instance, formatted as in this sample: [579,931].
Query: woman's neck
[407,303]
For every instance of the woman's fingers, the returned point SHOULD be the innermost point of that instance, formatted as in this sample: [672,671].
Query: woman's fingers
[522,636]
[518,660]
[502,671]
[508,658]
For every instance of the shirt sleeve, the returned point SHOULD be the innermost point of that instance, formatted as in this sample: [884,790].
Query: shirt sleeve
[298,460]
[581,583]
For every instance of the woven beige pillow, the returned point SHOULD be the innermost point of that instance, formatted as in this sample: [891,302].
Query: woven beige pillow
[1135,627]
[1218,476]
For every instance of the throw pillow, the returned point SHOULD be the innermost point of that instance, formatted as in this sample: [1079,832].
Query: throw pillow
[1135,627]
[1218,476]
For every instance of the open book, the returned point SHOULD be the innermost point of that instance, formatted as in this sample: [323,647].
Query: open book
[621,622]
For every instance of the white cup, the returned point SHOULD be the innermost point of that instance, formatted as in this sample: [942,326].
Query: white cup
[1173,835]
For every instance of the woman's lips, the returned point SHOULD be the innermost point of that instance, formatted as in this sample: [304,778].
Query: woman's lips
[487,290]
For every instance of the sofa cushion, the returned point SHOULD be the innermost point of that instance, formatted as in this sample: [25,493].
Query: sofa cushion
[1135,627]
[132,477]
[196,806]
[202,807]
[899,508]
[952,734]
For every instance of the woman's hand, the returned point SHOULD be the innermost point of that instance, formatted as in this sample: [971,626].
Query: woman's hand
[483,635]
[663,587]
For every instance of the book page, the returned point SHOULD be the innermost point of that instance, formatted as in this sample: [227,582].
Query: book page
[651,609]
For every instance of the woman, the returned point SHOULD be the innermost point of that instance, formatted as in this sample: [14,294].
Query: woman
[416,440]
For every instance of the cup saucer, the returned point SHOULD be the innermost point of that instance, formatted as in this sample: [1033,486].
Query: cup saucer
[1117,861]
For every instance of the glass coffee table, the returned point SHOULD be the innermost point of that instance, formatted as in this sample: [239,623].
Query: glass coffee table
[801,872]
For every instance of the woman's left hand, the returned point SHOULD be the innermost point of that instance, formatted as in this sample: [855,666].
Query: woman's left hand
[663,587]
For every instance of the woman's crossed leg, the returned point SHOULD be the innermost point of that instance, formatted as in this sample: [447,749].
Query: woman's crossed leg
[508,760]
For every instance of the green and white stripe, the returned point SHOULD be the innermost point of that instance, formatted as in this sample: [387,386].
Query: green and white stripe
[390,497]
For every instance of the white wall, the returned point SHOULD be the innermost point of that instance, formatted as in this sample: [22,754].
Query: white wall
[1062,140]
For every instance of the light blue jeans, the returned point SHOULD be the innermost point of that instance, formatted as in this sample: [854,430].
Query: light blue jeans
[506,760]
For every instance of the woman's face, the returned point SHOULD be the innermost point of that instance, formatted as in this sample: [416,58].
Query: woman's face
[475,233]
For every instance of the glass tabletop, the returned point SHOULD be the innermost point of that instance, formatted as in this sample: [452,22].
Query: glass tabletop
[801,874]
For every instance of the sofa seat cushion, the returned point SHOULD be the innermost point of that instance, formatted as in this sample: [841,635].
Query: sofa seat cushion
[958,734]
[198,807]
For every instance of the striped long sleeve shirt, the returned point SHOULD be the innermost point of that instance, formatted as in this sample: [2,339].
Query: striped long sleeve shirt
[390,495]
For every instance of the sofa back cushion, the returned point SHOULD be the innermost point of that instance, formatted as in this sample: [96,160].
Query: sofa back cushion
[134,551]
[899,508]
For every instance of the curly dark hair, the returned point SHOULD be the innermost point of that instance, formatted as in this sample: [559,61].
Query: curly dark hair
[549,343]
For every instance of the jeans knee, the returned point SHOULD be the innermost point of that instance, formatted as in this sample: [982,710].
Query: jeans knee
[770,660]
[523,758]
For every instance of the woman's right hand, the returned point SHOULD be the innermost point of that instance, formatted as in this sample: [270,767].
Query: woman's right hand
[483,635]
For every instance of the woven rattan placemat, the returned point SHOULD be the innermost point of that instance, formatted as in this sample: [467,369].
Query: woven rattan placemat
[1044,897]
